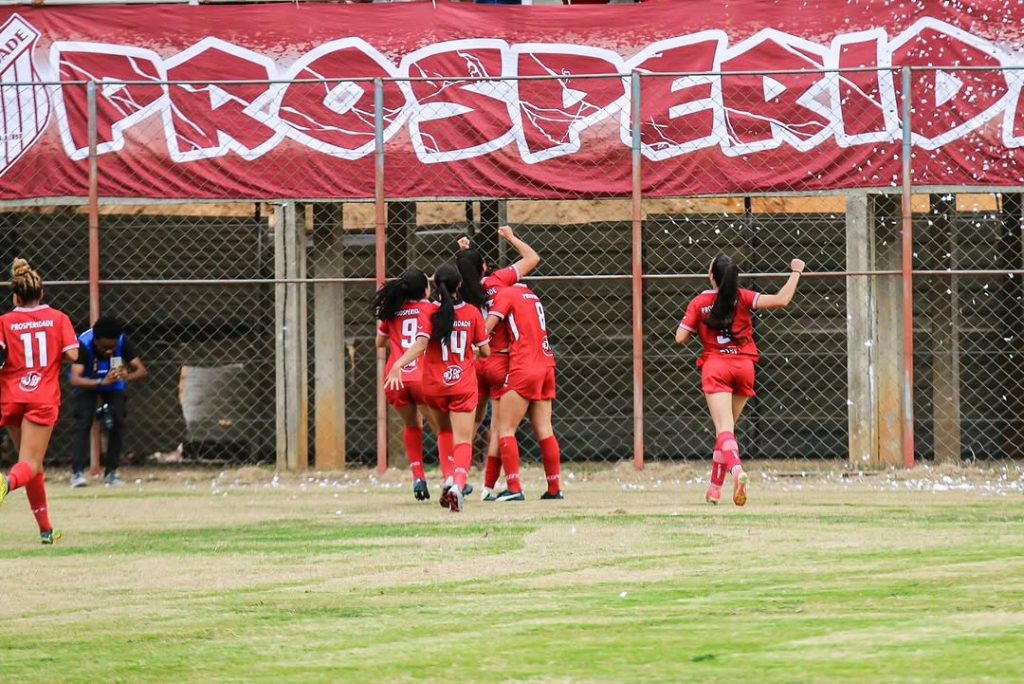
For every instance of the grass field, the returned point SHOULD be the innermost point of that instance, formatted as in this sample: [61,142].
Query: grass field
[203,577]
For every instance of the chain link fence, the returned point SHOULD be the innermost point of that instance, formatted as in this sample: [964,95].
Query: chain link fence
[207,288]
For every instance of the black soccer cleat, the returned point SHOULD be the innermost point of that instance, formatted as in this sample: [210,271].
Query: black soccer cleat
[510,496]
[548,496]
[420,490]
[467,490]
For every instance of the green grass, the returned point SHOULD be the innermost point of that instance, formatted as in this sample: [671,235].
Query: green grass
[333,584]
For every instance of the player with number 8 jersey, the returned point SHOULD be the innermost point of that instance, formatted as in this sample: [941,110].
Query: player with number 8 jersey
[34,340]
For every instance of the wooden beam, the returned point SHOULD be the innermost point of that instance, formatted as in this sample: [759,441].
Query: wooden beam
[860,331]
[329,348]
[292,414]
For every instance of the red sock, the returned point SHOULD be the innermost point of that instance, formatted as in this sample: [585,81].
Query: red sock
[730,450]
[463,459]
[492,469]
[551,456]
[718,468]
[445,453]
[413,438]
[509,448]
[36,492]
[19,475]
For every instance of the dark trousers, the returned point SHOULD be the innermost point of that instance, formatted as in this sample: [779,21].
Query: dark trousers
[85,413]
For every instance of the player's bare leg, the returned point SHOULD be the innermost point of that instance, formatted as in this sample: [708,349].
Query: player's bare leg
[551,456]
[725,408]
[492,463]
[412,437]
[511,413]
[462,423]
[31,441]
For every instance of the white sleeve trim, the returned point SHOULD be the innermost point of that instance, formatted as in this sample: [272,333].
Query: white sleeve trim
[67,348]
[753,306]
[686,327]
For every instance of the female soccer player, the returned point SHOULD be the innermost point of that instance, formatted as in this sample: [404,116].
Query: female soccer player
[33,340]
[449,333]
[398,306]
[491,371]
[529,386]
[721,318]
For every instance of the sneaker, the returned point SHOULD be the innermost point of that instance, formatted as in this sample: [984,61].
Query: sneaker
[446,487]
[420,489]
[713,495]
[4,488]
[78,479]
[49,537]
[510,496]
[739,488]
[467,490]
[111,479]
[548,496]
[456,499]
[487,494]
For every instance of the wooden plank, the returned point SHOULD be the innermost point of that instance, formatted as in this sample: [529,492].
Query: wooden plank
[292,413]
[943,312]
[329,338]
[888,299]
[860,322]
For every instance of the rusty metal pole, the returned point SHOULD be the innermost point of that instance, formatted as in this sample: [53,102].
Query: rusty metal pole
[637,278]
[94,249]
[380,227]
[908,279]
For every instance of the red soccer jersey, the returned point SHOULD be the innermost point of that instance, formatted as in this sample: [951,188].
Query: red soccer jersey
[741,340]
[494,283]
[401,333]
[448,366]
[35,339]
[523,316]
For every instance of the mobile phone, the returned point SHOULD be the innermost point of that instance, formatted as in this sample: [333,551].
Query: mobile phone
[116,362]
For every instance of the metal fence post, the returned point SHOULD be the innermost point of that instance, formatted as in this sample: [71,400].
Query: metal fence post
[94,249]
[908,278]
[380,227]
[637,277]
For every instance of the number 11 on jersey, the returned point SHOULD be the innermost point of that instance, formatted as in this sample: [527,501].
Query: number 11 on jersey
[30,356]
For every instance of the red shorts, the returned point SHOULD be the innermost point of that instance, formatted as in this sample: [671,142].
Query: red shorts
[411,393]
[41,414]
[453,403]
[734,374]
[490,375]
[535,384]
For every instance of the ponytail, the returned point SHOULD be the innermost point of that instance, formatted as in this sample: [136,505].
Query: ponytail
[447,281]
[470,264]
[397,291]
[726,275]
[25,282]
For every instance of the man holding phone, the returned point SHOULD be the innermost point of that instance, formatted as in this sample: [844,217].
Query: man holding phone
[106,363]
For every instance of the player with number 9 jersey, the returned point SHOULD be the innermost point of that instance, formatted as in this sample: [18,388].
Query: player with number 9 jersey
[400,332]
[35,339]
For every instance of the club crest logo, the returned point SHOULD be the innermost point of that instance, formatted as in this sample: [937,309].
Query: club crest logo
[27,107]
[452,375]
[30,381]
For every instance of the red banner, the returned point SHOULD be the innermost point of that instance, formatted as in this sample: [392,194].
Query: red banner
[500,101]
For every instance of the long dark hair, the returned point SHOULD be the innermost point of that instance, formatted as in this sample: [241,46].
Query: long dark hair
[447,280]
[470,263]
[726,275]
[397,291]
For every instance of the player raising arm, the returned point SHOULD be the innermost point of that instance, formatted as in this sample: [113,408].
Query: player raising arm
[398,305]
[33,340]
[479,286]
[721,318]
[448,332]
[529,387]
